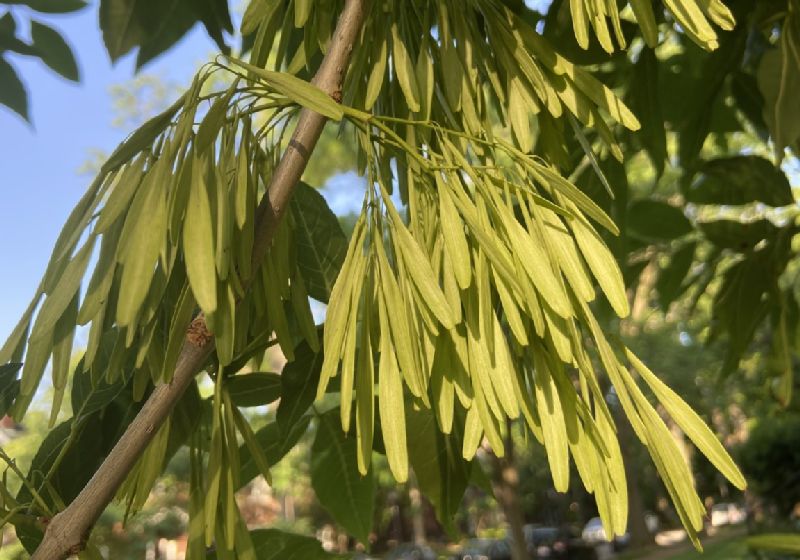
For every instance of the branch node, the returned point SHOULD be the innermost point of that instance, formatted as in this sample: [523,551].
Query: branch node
[198,334]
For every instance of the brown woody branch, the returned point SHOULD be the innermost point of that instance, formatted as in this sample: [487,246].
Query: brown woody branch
[68,531]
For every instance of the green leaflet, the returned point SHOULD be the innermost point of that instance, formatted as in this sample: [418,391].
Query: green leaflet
[123,190]
[377,73]
[602,264]
[182,317]
[404,68]
[390,401]
[454,238]
[212,122]
[418,266]
[57,301]
[691,424]
[365,385]
[140,249]
[198,243]
[144,136]
[299,91]
[551,414]
[398,323]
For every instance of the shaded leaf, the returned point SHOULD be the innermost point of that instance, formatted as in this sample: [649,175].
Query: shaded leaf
[9,386]
[52,6]
[321,243]
[652,220]
[345,494]
[275,443]
[739,236]
[272,544]
[442,473]
[54,50]
[299,380]
[254,389]
[646,103]
[740,180]
[776,542]
[670,280]
[94,440]
[12,91]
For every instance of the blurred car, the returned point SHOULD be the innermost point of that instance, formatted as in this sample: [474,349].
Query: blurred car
[546,542]
[593,532]
[411,551]
[484,549]
[727,514]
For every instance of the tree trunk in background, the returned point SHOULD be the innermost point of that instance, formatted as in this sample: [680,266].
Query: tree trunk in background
[640,535]
[417,511]
[637,527]
[505,484]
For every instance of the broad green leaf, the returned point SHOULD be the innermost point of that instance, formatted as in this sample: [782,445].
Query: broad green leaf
[740,180]
[272,544]
[644,98]
[348,496]
[655,221]
[779,82]
[441,472]
[87,397]
[54,50]
[299,380]
[52,6]
[775,542]
[739,236]
[275,442]
[321,243]
[670,279]
[93,441]
[254,389]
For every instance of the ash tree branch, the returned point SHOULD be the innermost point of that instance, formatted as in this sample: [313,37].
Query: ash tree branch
[68,531]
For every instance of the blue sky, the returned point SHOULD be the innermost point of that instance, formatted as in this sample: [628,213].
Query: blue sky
[39,163]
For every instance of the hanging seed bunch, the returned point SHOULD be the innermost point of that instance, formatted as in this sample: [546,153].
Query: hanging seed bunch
[478,304]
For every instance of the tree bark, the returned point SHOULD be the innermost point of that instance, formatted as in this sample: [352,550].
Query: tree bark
[68,531]
[506,491]
[637,527]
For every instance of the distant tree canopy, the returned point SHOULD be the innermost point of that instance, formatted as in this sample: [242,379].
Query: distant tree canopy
[491,293]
